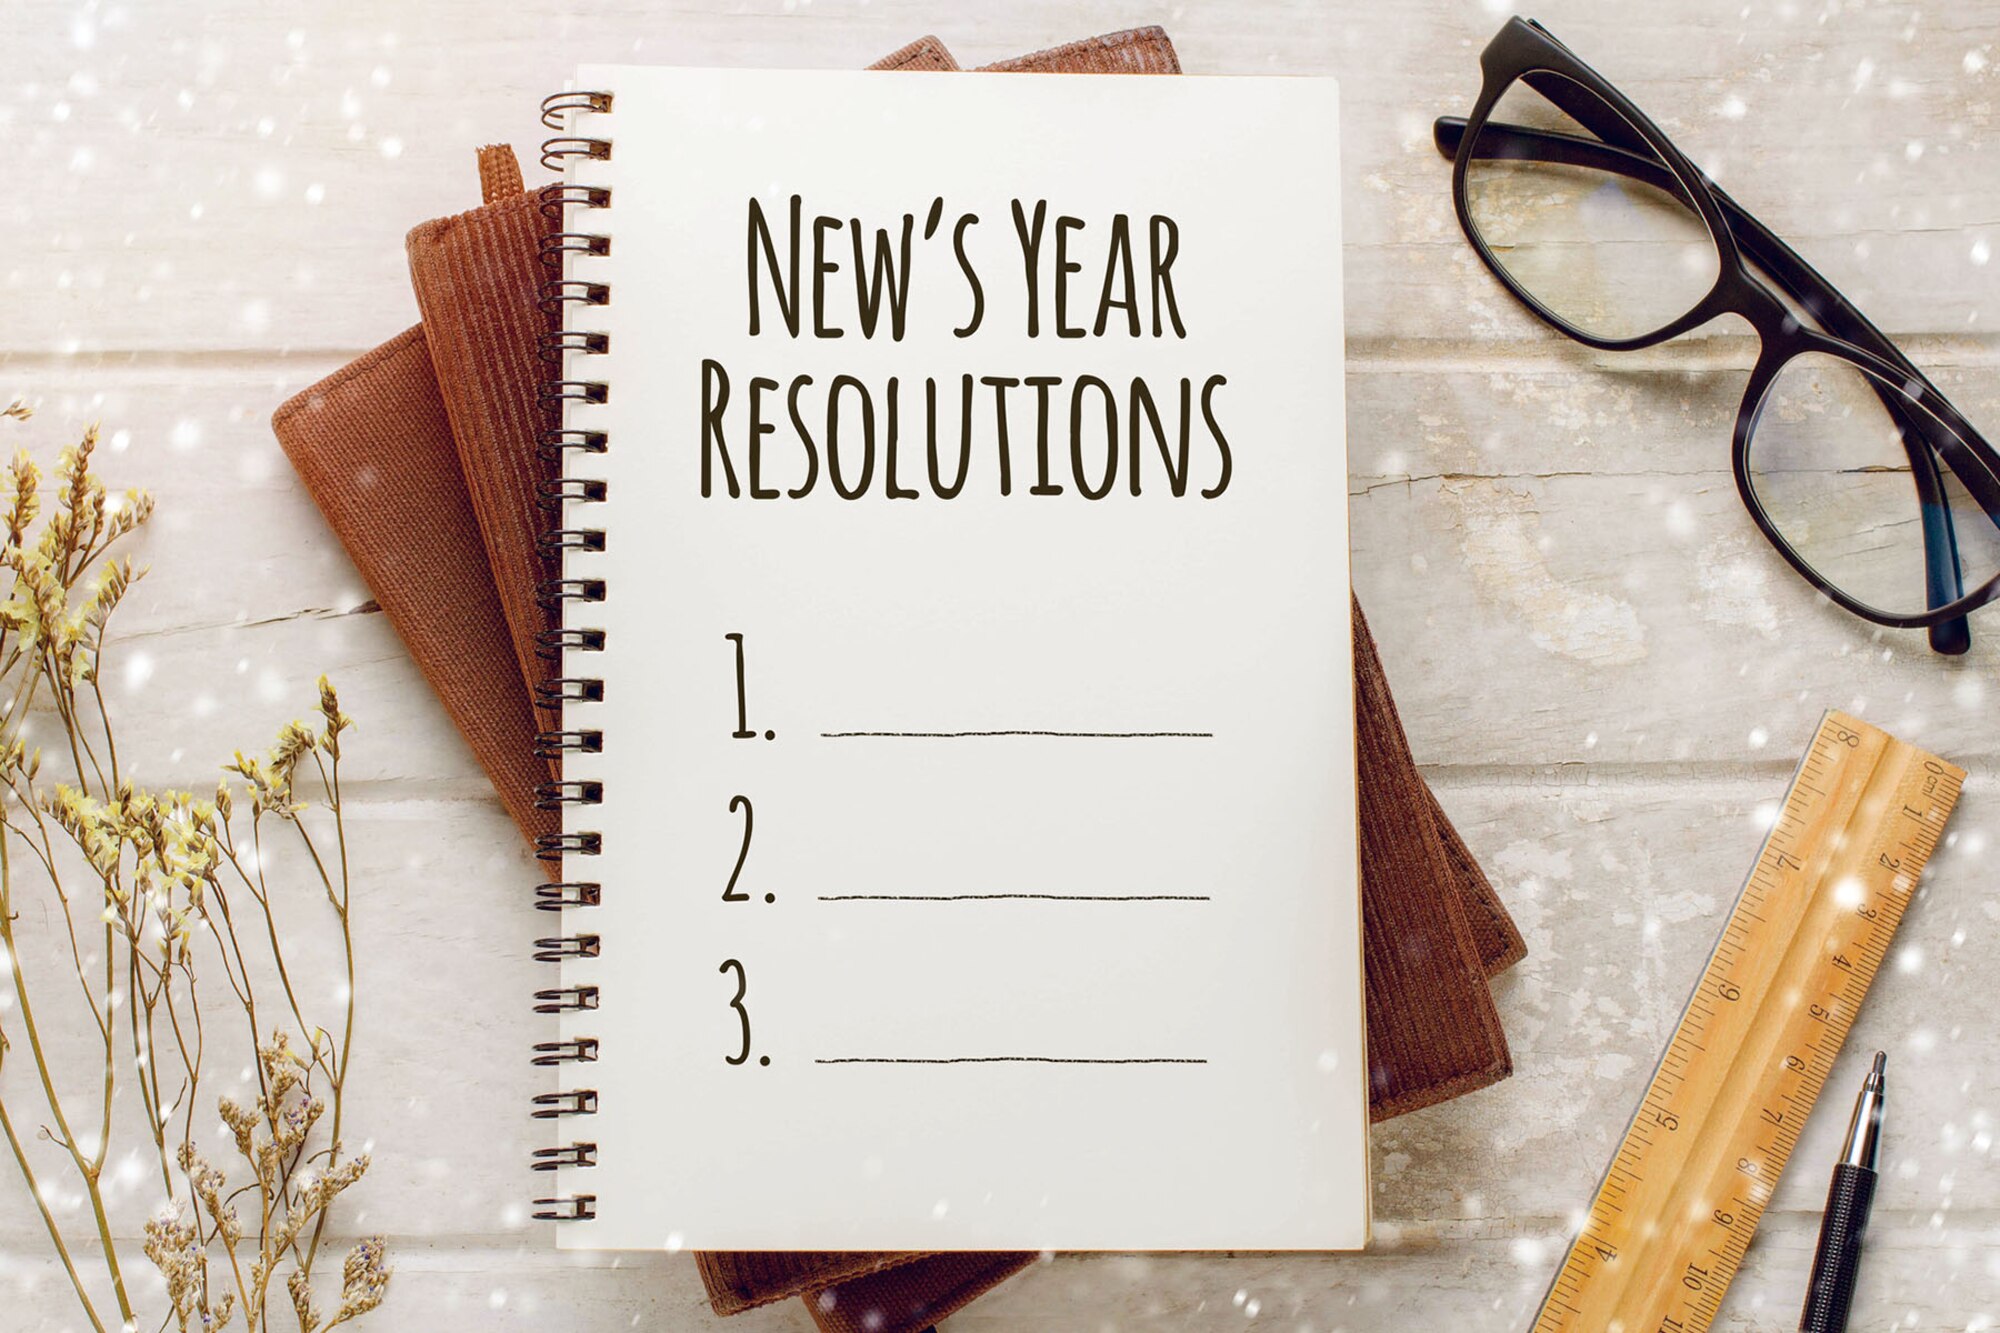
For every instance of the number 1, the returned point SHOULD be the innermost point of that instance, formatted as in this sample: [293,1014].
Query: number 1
[743,731]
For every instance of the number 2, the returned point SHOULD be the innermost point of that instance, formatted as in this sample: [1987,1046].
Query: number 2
[729,893]
[742,1014]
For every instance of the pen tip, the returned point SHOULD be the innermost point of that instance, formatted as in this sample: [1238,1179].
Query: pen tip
[1881,1063]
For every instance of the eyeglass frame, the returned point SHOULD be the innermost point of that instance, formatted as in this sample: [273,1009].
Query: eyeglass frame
[1630,144]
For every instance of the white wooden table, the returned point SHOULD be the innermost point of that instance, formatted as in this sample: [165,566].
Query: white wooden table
[1604,671]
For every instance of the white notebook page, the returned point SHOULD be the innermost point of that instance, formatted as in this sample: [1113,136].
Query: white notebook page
[1032,798]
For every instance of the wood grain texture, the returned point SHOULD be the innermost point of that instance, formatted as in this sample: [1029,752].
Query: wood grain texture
[1602,668]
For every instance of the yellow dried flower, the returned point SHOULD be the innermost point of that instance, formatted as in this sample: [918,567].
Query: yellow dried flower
[336,721]
[25,502]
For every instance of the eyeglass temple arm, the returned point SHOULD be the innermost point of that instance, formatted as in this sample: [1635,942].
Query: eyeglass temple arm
[1798,279]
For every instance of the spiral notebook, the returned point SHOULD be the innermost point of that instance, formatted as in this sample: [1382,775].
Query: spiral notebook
[959,842]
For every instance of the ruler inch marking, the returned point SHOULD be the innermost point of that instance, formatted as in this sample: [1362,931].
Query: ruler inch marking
[1810,929]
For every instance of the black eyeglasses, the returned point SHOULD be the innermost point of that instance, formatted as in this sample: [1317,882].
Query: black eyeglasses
[1855,467]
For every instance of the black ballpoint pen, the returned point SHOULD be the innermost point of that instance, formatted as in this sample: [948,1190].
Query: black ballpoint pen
[1837,1260]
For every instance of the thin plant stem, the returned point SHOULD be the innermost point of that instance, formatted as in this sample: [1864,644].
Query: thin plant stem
[46,855]
[88,1171]
[263,895]
[339,1078]
[48,1218]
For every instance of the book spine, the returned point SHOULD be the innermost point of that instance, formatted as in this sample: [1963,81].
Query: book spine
[567,394]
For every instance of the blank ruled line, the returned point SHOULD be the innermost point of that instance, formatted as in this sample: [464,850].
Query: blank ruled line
[1010,1060]
[1067,735]
[1013,897]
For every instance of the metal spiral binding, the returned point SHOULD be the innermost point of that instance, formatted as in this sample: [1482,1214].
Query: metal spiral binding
[558,197]
[553,744]
[556,445]
[573,1050]
[555,795]
[555,895]
[552,494]
[555,1105]
[555,948]
[558,442]
[550,594]
[576,1154]
[559,292]
[565,999]
[571,689]
[558,342]
[556,105]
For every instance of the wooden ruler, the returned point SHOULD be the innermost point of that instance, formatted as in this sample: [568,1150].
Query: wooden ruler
[1676,1210]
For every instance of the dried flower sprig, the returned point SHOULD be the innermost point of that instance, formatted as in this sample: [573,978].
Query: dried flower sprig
[178,888]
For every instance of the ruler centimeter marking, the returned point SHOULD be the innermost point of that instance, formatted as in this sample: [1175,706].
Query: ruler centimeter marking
[1682,1197]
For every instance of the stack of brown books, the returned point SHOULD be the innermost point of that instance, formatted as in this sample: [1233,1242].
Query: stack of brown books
[423,456]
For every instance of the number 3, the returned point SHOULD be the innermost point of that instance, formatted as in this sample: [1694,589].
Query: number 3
[742,1014]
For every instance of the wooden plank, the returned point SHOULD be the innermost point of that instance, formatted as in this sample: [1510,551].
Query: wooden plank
[1619,887]
[1475,1278]
[1481,1279]
[522,1287]
[254,191]
[1578,595]
[1572,529]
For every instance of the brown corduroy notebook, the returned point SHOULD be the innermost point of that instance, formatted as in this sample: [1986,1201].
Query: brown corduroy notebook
[1439,880]
[478,279]
[375,448]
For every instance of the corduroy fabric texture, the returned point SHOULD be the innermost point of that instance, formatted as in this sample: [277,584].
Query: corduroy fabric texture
[912,1295]
[1422,960]
[1134,51]
[1494,933]
[499,173]
[373,445]
[478,278]
[925,55]
[422,456]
